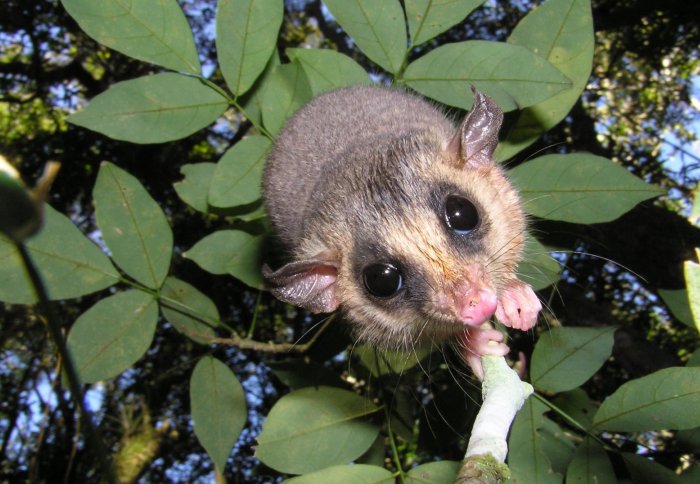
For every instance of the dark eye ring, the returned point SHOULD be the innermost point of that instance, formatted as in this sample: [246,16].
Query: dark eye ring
[461,215]
[382,280]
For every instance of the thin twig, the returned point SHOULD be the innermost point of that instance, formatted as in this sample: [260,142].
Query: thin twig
[269,347]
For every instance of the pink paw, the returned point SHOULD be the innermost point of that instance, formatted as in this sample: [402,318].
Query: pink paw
[477,342]
[518,306]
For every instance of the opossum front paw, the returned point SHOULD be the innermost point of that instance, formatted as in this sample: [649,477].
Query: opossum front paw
[518,306]
[477,342]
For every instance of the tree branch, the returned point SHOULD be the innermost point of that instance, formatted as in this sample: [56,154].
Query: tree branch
[269,347]
[503,396]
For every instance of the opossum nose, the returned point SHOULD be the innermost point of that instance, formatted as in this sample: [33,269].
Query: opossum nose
[476,305]
[470,298]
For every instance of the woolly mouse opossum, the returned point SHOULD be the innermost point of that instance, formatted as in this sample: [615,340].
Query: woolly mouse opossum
[400,218]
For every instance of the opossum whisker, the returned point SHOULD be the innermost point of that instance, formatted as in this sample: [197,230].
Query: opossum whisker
[314,326]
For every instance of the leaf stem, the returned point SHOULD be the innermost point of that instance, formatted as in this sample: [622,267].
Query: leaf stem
[387,416]
[569,419]
[92,434]
[233,101]
[191,312]
[398,76]
[392,442]
[255,316]
[177,305]
[259,127]
[245,343]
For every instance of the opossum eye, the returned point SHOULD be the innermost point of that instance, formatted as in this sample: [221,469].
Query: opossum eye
[382,280]
[460,214]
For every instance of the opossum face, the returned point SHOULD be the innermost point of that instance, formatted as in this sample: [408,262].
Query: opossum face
[417,243]
[432,246]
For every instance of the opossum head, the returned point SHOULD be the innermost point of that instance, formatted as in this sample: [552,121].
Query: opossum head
[415,243]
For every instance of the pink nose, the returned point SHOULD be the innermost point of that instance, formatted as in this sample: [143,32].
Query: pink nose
[477,306]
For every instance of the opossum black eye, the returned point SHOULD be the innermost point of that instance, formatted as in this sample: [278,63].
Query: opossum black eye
[460,214]
[382,280]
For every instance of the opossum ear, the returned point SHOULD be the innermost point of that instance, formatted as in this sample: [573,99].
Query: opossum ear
[309,283]
[476,138]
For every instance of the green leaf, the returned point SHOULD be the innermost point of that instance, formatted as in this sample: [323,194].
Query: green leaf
[590,465]
[246,36]
[688,476]
[354,474]
[694,359]
[231,252]
[314,428]
[188,310]
[694,216]
[645,471]
[556,445]
[154,31]
[71,265]
[561,31]
[386,362]
[238,175]
[218,406]
[298,373]
[537,267]
[527,457]
[666,399]
[378,29]
[434,472]
[113,334]
[133,226]
[285,92]
[689,439]
[565,358]
[692,280]
[402,409]
[579,188]
[512,75]
[577,405]
[152,109]
[679,305]
[327,69]
[249,213]
[194,188]
[251,102]
[375,455]
[428,18]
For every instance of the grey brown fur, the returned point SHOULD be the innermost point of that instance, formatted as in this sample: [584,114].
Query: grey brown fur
[360,176]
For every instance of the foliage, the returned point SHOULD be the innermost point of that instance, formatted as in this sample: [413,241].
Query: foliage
[368,408]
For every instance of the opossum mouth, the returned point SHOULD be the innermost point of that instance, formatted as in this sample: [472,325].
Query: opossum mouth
[469,302]
[441,326]
[468,311]
[437,331]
